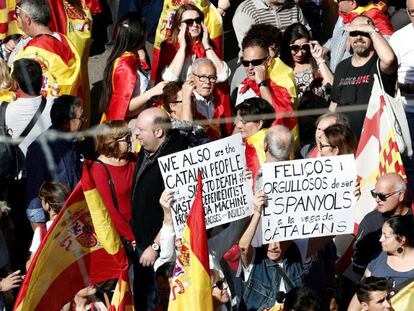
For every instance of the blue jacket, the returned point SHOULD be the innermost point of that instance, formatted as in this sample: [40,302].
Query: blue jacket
[262,287]
[66,165]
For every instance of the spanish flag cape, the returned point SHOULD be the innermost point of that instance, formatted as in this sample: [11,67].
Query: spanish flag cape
[77,26]
[255,153]
[81,248]
[281,82]
[8,24]
[165,50]
[377,12]
[60,63]
[94,6]
[124,77]
[402,296]
[190,284]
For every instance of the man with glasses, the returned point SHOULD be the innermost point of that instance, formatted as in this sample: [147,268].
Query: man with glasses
[390,195]
[403,45]
[259,83]
[347,11]
[354,76]
[203,79]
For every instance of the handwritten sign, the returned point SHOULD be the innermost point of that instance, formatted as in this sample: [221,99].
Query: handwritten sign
[226,194]
[308,198]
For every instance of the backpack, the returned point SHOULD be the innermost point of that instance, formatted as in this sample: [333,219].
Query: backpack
[11,157]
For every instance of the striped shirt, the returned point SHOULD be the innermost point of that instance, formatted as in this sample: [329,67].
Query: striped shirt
[251,12]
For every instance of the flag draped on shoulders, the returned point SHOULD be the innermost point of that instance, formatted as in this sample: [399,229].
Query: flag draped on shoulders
[81,248]
[76,24]
[59,60]
[191,285]
[8,23]
[124,77]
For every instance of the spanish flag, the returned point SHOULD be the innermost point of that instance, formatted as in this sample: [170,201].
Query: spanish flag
[8,24]
[402,296]
[255,153]
[81,248]
[60,62]
[76,24]
[190,285]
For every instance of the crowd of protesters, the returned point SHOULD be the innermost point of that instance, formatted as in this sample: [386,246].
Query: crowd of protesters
[291,60]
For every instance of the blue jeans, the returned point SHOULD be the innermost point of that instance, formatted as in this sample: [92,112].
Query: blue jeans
[145,288]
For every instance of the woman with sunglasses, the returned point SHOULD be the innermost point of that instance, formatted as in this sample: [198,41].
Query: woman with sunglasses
[312,75]
[126,83]
[189,40]
[396,261]
[337,139]
[113,172]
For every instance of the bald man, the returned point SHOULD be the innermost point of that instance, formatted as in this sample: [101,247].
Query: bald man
[154,133]
[390,196]
[354,76]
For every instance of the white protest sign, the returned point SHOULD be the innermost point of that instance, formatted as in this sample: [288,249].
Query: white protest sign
[226,194]
[308,198]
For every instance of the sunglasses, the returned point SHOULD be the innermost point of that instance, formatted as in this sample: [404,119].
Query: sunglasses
[321,146]
[219,284]
[253,62]
[191,21]
[357,33]
[304,47]
[383,196]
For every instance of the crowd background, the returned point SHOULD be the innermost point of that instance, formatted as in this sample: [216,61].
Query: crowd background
[161,78]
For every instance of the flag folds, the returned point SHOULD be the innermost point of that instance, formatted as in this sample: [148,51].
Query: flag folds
[377,152]
[8,23]
[81,248]
[190,285]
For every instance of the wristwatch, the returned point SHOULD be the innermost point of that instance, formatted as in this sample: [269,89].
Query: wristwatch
[263,83]
[155,246]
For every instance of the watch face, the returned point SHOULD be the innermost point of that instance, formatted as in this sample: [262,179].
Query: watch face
[155,246]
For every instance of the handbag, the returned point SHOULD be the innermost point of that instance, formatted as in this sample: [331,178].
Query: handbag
[395,110]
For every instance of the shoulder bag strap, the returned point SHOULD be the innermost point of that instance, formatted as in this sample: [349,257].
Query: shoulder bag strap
[280,270]
[111,185]
[34,118]
[3,108]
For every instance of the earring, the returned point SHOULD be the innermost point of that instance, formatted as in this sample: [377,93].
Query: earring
[400,250]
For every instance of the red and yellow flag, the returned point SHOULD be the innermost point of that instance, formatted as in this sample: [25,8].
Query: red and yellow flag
[377,152]
[190,285]
[60,62]
[76,24]
[255,153]
[8,24]
[81,248]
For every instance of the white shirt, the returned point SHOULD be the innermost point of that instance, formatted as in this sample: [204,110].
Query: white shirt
[402,42]
[36,237]
[20,112]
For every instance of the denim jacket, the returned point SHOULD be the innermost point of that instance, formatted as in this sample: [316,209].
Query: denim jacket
[262,287]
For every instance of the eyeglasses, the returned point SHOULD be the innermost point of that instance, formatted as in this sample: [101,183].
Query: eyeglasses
[219,284]
[211,79]
[383,196]
[304,47]
[410,12]
[176,102]
[253,62]
[357,33]
[191,21]
[82,117]
[126,138]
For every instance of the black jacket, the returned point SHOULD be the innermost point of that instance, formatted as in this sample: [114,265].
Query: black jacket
[147,214]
